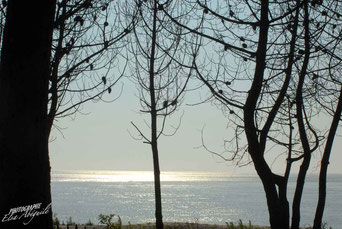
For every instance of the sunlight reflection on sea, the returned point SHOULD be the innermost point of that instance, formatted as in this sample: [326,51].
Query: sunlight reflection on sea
[206,197]
[135,176]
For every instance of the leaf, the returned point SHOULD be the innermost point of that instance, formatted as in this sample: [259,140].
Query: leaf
[104,7]
[104,80]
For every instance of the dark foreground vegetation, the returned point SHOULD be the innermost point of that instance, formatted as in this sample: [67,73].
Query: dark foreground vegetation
[169,225]
[108,222]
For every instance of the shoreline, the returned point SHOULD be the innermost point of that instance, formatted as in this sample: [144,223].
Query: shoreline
[171,225]
[167,225]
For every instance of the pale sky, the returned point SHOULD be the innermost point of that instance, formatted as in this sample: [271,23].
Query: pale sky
[100,140]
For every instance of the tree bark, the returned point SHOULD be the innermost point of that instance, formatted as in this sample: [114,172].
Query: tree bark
[24,75]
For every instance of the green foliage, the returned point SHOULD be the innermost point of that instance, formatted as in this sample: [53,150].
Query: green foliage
[108,220]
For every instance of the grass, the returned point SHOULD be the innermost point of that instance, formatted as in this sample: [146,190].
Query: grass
[114,222]
[169,225]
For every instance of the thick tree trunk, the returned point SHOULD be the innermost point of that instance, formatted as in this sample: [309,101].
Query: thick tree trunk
[24,72]
[278,207]
[278,214]
[277,219]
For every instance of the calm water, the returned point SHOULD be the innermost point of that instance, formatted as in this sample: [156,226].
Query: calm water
[187,197]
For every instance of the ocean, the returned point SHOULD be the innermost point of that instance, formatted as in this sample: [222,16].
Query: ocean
[203,197]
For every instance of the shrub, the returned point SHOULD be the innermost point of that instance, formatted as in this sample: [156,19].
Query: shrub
[109,222]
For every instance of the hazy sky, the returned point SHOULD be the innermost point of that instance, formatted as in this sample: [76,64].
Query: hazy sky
[101,140]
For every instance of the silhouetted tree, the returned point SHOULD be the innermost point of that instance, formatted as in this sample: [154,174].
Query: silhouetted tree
[86,56]
[161,69]
[329,81]
[325,162]
[52,61]
[256,84]
[24,74]
[267,56]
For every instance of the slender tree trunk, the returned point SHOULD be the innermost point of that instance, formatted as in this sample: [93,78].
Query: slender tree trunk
[299,192]
[157,189]
[325,163]
[301,126]
[154,127]
[284,204]
[24,74]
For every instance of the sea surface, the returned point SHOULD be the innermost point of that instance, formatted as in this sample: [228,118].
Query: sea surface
[203,197]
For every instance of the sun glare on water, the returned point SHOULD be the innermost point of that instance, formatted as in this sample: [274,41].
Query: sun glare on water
[133,176]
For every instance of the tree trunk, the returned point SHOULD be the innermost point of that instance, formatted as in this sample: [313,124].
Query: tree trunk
[324,164]
[154,126]
[157,189]
[24,74]
[284,204]
[278,207]
[302,128]
[299,192]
